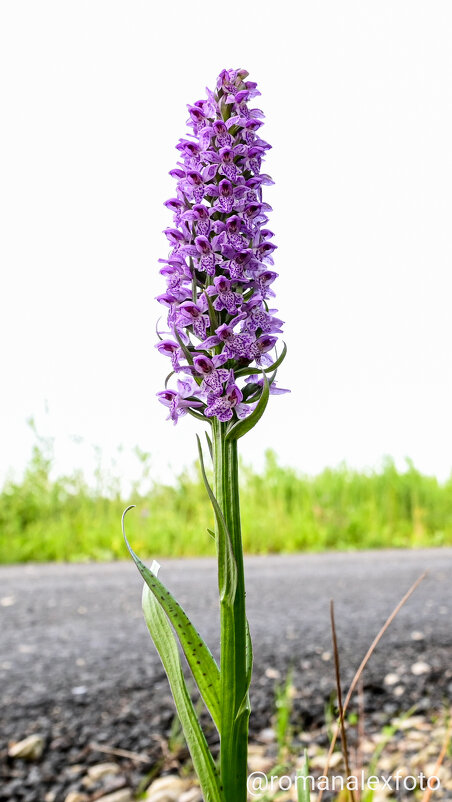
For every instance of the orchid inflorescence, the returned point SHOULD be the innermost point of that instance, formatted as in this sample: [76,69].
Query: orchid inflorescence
[221,333]
[219,270]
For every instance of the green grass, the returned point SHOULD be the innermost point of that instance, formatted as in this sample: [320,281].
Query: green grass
[44,519]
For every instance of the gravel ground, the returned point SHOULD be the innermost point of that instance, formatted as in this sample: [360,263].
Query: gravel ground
[77,668]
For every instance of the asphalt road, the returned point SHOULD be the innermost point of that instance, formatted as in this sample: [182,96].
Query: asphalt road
[76,631]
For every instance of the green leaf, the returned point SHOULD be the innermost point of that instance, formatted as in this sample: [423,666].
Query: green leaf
[166,645]
[198,415]
[243,426]
[273,366]
[202,664]
[303,783]
[209,444]
[212,315]
[168,378]
[227,568]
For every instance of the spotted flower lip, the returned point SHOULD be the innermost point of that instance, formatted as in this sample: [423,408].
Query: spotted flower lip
[219,271]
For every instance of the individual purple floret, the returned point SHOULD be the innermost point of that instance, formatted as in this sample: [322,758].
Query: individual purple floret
[219,271]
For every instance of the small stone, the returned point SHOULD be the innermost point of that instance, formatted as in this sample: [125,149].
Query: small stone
[432,770]
[74,770]
[7,601]
[411,723]
[124,795]
[381,795]
[402,772]
[399,690]
[167,789]
[272,673]
[76,796]
[417,635]
[326,656]
[260,763]
[420,668]
[319,761]
[79,690]
[267,736]
[391,679]
[100,770]
[30,748]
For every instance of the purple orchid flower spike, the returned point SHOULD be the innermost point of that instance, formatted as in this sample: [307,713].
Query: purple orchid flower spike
[219,272]
[222,339]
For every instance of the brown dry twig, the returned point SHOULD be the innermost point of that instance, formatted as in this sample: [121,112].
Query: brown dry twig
[364,662]
[111,750]
[339,697]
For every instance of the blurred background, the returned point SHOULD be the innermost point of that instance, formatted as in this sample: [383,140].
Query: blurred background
[358,103]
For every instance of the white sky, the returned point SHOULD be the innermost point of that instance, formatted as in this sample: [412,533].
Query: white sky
[358,101]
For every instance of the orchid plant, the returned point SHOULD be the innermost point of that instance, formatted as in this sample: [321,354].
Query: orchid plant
[220,338]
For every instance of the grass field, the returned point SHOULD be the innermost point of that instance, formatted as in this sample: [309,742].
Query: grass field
[283,511]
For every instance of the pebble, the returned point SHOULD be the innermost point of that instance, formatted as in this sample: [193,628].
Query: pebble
[267,736]
[75,770]
[79,690]
[75,796]
[124,795]
[260,763]
[272,673]
[417,635]
[391,679]
[30,748]
[100,770]
[7,601]
[319,761]
[420,668]
[167,789]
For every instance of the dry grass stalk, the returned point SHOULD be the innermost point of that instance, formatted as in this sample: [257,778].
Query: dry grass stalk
[364,662]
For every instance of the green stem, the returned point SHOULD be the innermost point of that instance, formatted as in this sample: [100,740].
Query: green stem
[233,668]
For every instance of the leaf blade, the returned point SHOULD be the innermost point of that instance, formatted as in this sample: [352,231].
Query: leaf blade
[166,645]
[227,567]
[243,426]
[199,657]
